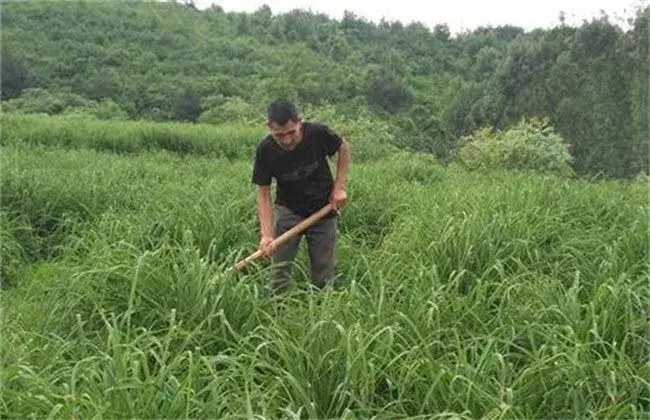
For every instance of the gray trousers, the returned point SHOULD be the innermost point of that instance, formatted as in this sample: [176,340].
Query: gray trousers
[321,239]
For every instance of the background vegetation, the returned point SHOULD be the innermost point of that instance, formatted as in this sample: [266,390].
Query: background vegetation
[170,61]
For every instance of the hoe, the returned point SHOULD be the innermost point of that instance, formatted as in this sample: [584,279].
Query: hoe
[282,239]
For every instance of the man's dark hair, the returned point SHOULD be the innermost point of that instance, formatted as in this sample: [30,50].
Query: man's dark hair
[281,111]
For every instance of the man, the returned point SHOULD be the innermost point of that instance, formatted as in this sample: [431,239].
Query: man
[295,154]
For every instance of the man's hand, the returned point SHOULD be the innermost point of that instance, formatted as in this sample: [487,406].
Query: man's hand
[338,198]
[267,246]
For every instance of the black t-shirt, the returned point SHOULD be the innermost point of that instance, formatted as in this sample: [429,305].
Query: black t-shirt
[304,180]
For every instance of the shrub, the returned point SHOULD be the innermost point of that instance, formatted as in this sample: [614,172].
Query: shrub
[530,145]
[371,138]
[233,110]
[40,101]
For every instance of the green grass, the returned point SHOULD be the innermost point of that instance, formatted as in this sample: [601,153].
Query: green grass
[371,138]
[130,137]
[461,295]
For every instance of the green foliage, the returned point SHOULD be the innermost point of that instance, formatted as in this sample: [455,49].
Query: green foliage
[417,168]
[188,107]
[15,74]
[231,110]
[78,131]
[529,145]
[505,295]
[167,61]
[17,242]
[502,295]
[40,101]
[107,109]
[385,90]
[371,137]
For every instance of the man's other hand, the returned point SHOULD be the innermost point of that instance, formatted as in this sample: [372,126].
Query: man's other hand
[338,198]
[267,246]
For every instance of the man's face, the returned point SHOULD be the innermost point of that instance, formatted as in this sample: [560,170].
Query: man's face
[287,136]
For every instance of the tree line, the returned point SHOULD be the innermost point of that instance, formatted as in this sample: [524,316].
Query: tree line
[171,62]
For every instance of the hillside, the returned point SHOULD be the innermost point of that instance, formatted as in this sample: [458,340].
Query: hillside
[169,61]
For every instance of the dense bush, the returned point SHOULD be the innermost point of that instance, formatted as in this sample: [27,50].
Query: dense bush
[63,102]
[532,144]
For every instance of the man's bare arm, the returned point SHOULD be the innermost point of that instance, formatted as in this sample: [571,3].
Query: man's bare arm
[342,164]
[265,211]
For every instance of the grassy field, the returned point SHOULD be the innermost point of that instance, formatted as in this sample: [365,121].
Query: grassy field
[460,294]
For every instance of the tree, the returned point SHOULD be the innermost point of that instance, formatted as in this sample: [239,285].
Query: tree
[385,91]
[15,76]
[188,107]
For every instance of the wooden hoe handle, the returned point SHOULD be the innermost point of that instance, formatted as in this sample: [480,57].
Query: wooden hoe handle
[282,239]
